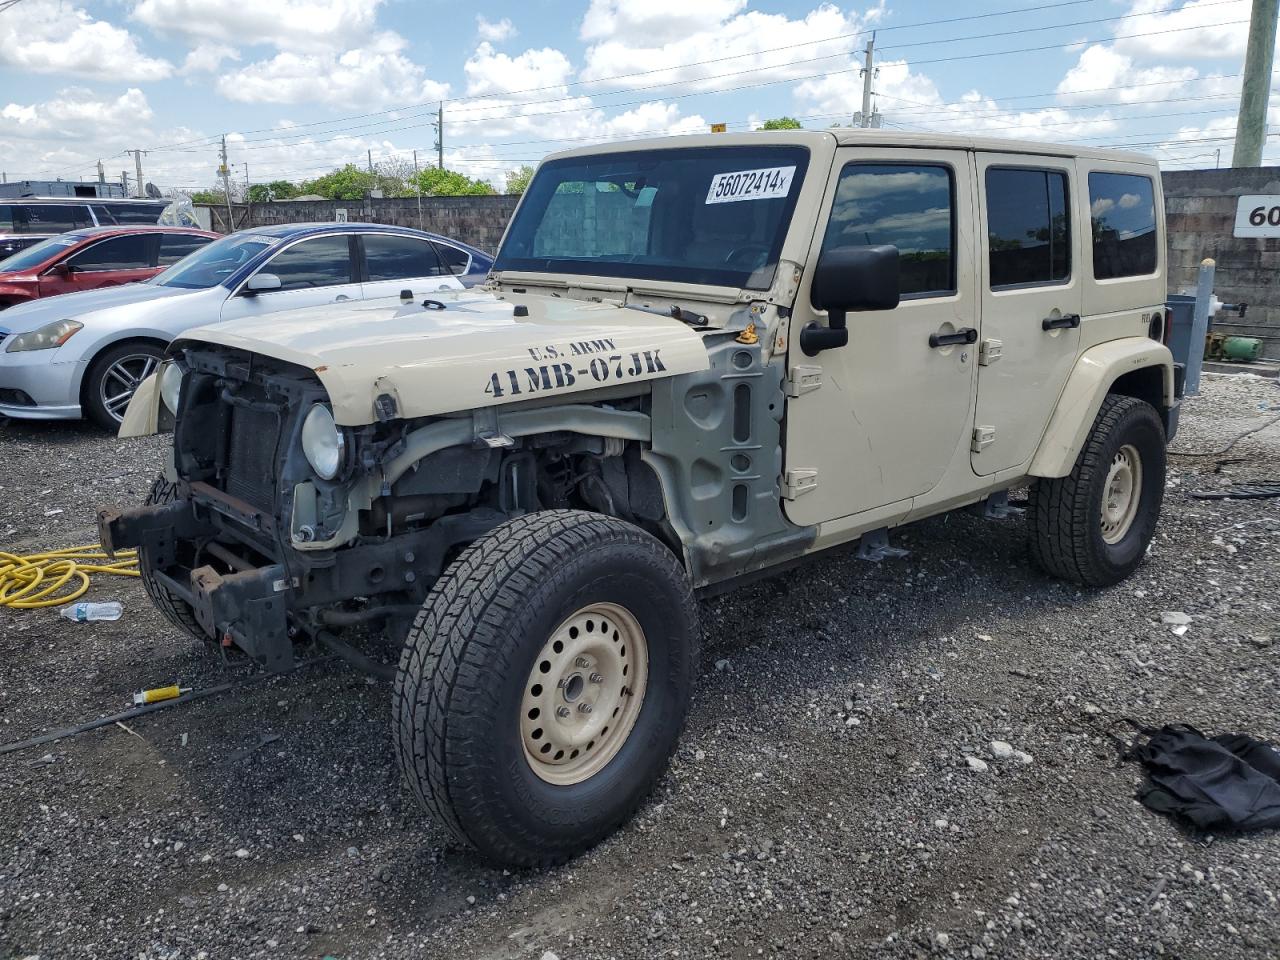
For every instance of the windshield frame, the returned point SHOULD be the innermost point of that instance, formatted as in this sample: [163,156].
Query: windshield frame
[737,157]
[222,243]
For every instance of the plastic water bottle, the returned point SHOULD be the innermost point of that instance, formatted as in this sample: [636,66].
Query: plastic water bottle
[80,612]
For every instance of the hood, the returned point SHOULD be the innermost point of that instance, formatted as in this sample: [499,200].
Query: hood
[476,352]
[79,306]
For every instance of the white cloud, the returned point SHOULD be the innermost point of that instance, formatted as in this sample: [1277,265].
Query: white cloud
[1101,71]
[489,72]
[207,57]
[369,76]
[1223,31]
[44,36]
[656,21]
[77,114]
[679,36]
[303,25]
[495,31]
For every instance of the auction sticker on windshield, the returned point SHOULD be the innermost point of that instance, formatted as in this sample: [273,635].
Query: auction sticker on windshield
[765,184]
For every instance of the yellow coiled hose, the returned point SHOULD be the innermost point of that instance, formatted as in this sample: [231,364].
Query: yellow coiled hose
[33,581]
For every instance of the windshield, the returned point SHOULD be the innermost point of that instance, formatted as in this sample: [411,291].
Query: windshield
[713,215]
[214,262]
[36,254]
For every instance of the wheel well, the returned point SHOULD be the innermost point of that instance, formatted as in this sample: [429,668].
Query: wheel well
[1145,384]
[84,380]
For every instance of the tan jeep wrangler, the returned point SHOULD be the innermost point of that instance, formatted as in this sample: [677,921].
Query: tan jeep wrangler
[696,359]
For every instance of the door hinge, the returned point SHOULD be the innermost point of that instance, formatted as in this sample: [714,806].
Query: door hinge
[802,379]
[983,437]
[989,351]
[796,483]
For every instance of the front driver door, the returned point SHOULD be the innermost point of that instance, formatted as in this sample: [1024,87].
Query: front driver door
[107,263]
[891,409]
[312,272]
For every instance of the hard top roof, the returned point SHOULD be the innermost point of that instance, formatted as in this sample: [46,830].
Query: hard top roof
[858,137]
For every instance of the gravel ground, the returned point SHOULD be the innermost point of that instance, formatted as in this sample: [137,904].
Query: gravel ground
[823,802]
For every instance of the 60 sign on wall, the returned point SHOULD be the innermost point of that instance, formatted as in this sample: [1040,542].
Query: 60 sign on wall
[1257,216]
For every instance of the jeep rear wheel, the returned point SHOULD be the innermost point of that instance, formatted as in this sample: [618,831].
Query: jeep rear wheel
[544,684]
[1093,525]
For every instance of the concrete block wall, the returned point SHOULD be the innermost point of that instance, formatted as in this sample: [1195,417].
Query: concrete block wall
[1201,209]
[479,221]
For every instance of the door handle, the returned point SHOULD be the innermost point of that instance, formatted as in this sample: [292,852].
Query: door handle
[341,298]
[1068,321]
[963,335]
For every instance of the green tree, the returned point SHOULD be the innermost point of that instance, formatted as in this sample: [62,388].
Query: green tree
[275,190]
[518,179]
[434,182]
[345,183]
[781,123]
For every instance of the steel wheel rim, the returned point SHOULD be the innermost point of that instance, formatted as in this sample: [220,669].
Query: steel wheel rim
[1121,493]
[120,381]
[584,693]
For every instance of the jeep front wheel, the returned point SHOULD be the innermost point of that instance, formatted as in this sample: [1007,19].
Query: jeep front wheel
[544,684]
[1093,525]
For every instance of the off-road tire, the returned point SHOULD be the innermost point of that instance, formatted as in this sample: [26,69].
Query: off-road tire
[176,610]
[468,658]
[1064,513]
[90,393]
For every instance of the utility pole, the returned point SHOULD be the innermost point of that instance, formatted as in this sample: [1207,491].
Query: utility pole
[1251,124]
[418,187]
[439,125]
[225,171]
[124,182]
[137,166]
[868,73]
[102,173]
[370,162]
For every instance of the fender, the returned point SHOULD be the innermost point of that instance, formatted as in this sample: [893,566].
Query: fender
[15,295]
[1096,372]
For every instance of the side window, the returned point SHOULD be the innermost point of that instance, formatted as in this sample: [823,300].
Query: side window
[908,205]
[321,262]
[105,218]
[1122,211]
[1028,226]
[127,213]
[6,218]
[175,246]
[389,257]
[116,253]
[456,260]
[50,217]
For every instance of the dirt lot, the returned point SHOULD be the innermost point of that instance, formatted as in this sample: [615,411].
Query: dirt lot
[821,803]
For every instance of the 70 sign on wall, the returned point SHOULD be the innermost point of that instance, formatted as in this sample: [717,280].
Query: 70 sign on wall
[1257,216]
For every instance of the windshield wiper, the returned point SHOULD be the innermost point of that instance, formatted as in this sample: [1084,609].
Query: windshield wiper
[677,312]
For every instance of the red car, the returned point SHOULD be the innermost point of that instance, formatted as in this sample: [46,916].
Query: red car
[94,257]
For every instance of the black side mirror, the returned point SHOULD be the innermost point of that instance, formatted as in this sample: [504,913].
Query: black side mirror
[849,279]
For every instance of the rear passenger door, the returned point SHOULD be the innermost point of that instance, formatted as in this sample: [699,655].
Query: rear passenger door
[395,262]
[312,272]
[1031,300]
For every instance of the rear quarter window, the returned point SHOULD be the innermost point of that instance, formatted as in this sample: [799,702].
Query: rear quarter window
[1122,213]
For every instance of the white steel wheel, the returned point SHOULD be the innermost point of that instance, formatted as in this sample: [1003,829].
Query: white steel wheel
[1121,493]
[583,695]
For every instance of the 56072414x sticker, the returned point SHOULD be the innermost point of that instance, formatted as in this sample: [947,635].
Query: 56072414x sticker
[763,184]
[563,366]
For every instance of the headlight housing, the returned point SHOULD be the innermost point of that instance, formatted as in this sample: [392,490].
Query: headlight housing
[171,386]
[323,442]
[44,338]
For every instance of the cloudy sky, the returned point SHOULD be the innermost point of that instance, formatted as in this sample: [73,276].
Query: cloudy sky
[299,86]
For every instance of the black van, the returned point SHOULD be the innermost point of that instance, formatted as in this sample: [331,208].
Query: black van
[29,220]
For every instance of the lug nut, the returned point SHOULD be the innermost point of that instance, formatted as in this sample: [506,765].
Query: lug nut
[597,678]
[584,707]
[562,712]
[582,662]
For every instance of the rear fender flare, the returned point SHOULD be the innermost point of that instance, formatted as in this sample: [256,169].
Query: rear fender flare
[1098,370]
